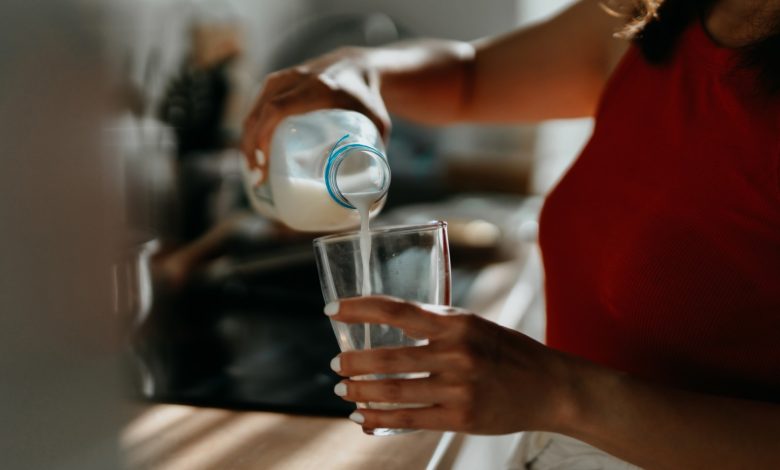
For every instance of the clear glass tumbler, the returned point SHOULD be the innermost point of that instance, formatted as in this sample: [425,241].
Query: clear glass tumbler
[409,262]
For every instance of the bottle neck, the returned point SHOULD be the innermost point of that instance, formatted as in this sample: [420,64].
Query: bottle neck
[355,168]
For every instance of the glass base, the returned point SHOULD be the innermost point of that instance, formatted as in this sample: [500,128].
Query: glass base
[389,431]
[389,406]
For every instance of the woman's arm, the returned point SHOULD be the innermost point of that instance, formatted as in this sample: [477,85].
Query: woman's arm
[551,70]
[486,379]
[659,427]
[554,69]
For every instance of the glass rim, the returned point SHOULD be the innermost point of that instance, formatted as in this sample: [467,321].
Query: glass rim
[383,230]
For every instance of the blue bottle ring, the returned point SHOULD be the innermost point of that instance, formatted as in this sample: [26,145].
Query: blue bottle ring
[335,160]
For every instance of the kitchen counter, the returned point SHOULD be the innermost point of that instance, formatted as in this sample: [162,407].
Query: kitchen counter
[175,437]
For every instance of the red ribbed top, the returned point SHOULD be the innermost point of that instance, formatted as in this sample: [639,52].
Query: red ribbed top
[661,244]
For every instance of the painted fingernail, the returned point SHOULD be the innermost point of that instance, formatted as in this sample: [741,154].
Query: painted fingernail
[260,157]
[255,176]
[357,417]
[335,364]
[331,309]
[340,389]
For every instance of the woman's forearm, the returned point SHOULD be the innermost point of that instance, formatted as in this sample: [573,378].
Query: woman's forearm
[554,69]
[426,80]
[663,428]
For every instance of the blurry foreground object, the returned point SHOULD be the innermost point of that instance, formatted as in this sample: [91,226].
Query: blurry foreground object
[59,405]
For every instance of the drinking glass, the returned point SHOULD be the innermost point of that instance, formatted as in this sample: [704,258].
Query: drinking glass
[410,262]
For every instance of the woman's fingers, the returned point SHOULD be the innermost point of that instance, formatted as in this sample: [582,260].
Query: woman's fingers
[336,80]
[300,99]
[311,95]
[276,83]
[425,391]
[390,361]
[415,320]
[305,96]
[432,418]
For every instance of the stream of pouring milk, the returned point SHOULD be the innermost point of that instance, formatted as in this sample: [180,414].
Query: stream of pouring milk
[362,202]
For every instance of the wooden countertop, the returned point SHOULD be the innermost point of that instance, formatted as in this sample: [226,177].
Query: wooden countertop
[175,437]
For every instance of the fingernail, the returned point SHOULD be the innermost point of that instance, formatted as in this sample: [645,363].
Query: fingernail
[340,389]
[335,364]
[260,157]
[332,309]
[357,417]
[255,176]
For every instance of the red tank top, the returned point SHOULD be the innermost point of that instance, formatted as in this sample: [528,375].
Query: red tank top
[661,244]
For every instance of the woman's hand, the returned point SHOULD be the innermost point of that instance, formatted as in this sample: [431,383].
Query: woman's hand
[341,79]
[484,379]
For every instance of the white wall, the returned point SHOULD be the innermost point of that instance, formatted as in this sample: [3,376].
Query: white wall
[452,19]
[537,10]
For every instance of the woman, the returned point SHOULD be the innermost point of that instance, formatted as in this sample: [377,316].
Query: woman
[661,245]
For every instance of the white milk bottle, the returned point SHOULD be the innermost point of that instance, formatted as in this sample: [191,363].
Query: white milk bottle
[327,168]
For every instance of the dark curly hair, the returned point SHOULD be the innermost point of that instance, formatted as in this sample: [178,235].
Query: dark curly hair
[656,25]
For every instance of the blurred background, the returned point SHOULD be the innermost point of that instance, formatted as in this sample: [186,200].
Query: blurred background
[133,270]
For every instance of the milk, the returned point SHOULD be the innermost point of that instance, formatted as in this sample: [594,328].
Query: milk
[306,204]
[362,202]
